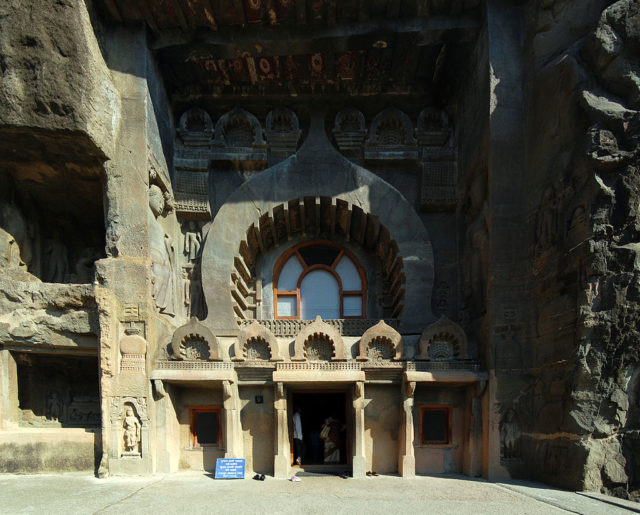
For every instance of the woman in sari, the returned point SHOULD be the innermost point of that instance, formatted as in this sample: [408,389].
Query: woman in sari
[330,434]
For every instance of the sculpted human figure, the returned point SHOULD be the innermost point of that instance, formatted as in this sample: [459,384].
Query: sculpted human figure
[14,223]
[131,431]
[161,250]
[192,242]
[58,263]
[509,435]
[54,407]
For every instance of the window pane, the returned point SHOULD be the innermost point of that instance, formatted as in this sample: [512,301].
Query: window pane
[352,306]
[289,275]
[318,255]
[348,274]
[435,426]
[207,427]
[287,306]
[319,295]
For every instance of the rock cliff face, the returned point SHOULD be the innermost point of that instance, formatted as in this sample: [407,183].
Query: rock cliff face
[578,409]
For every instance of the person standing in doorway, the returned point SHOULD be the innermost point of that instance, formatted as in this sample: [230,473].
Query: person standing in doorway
[298,441]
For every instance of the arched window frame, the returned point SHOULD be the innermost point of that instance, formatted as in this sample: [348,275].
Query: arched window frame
[306,269]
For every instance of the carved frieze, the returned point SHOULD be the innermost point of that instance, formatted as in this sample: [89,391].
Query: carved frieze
[192,195]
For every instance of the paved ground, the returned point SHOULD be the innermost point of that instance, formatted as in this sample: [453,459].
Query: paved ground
[194,493]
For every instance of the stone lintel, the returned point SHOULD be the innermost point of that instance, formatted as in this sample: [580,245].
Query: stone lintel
[445,376]
[318,376]
[194,375]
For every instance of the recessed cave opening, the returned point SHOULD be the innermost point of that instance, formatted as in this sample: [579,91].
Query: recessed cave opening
[51,222]
[57,391]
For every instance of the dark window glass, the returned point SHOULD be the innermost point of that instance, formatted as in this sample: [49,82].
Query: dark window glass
[316,255]
[207,425]
[435,426]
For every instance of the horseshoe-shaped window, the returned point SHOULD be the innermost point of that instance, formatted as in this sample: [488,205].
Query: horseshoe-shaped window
[319,278]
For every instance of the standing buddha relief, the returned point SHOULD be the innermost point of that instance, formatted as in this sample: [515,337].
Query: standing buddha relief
[162,255]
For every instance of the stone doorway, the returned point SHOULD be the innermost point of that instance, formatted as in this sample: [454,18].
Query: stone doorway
[318,406]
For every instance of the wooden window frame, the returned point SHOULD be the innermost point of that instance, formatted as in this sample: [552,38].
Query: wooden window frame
[306,269]
[193,417]
[436,407]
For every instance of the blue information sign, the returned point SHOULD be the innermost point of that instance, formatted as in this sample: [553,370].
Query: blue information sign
[230,468]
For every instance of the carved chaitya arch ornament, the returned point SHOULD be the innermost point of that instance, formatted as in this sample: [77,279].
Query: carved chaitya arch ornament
[382,333]
[443,340]
[283,132]
[196,127]
[349,130]
[238,129]
[391,136]
[189,338]
[254,334]
[319,330]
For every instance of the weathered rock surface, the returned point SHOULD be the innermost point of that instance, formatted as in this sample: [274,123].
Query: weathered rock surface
[53,315]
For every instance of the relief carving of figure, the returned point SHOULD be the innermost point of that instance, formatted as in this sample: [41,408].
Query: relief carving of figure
[132,427]
[477,246]
[197,304]
[54,407]
[21,232]
[161,256]
[192,242]
[510,435]
[57,260]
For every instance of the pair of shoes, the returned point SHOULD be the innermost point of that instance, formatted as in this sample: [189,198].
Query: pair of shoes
[372,473]
[259,477]
[295,479]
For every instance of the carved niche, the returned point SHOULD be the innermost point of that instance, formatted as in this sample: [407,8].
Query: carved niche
[196,128]
[239,137]
[443,340]
[283,133]
[257,343]
[319,341]
[391,137]
[380,342]
[193,341]
[349,131]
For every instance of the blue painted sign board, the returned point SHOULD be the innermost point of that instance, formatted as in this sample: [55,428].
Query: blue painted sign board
[230,468]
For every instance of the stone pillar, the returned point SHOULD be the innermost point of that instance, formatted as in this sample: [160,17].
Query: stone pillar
[282,460]
[359,457]
[406,455]
[232,431]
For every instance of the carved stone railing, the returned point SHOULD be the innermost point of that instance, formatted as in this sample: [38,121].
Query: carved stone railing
[345,326]
[427,366]
[194,365]
[420,366]
[319,365]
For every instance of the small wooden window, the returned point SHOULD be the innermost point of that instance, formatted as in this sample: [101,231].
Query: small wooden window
[319,278]
[205,427]
[435,425]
